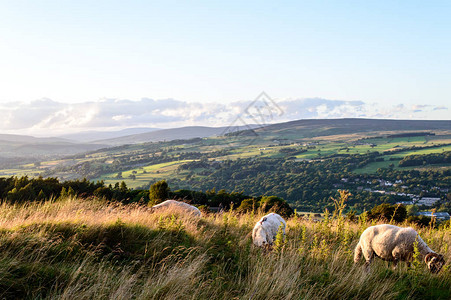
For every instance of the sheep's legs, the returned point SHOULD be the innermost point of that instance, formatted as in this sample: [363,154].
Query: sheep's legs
[397,253]
[395,264]
[369,255]
[367,266]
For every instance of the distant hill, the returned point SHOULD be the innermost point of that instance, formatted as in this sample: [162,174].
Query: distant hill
[188,132]
[46,149]
[23,145]
[93,135]
[326,127]
[28,146]
[29,139]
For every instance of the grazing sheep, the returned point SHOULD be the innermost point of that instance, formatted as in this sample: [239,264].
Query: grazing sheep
[177,205]
[265,230]
[393,243]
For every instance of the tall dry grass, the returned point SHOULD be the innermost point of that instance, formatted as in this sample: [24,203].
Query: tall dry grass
[91,249]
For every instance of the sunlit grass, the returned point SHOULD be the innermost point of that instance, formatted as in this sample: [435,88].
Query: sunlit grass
[90,249]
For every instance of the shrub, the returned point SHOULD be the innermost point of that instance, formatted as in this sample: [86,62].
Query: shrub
[159,192]
[248,205]
[422,221]
[277,205]
[387,212]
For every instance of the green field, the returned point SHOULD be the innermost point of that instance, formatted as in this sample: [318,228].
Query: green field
[268,145]
[144,174]
[372,167]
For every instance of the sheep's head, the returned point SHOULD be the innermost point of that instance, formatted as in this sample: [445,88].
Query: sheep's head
[265,245]
[260,237]
[434,262]
[260,242]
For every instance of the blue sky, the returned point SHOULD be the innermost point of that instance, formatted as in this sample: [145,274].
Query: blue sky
[385,52]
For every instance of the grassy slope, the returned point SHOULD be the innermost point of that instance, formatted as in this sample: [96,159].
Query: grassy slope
[341,143]
[156,171]
[372,167]
[162,171]
[79,249]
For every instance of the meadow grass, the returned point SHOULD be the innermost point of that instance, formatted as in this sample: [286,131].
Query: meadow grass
[91,249]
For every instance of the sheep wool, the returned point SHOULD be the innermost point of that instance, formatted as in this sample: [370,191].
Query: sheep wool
[178,206]
[393,243]
[265,230]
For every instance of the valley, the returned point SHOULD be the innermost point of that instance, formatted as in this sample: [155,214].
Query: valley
[305,160]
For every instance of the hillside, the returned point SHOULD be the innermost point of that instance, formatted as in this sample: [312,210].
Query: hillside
[29,139]
[303,162]
[94,135]
[295,129]
[338,129]
[33,147]
[188,132]
[51,250]
[327,127]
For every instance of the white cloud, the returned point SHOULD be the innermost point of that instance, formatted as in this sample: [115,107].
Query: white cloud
[121,117]
[48,117]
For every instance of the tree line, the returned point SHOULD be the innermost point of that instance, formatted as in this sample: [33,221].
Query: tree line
[423,159]
[309,185]
[25,189]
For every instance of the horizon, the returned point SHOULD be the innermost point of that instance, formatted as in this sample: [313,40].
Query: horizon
[144,130]
[46,117]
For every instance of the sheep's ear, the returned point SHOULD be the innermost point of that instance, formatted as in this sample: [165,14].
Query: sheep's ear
[428,257]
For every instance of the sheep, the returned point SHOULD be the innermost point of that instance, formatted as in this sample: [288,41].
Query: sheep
[177,205]
[393,243]
[265,230]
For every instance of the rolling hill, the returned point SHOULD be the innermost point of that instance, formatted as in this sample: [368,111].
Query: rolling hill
[188,132]
[94,135]
[326,127]
[300,161]
[16,138]
[341,131]
[29,146]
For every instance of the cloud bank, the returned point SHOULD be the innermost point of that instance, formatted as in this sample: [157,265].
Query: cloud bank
[46,117]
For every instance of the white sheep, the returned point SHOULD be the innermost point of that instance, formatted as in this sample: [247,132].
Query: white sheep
[265,230]
[393,243]
[177,206]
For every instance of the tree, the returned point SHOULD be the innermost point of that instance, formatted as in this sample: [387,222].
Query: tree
[276,204]
[22,194]
[159,192]
[123,187]
[412,210]
[248,205]
[387,212]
